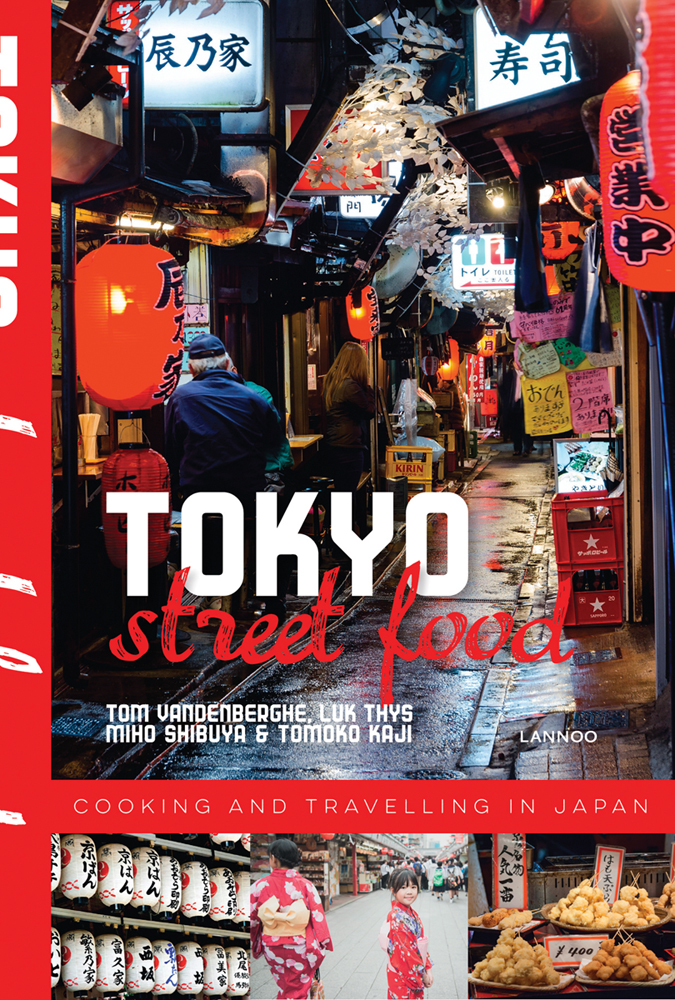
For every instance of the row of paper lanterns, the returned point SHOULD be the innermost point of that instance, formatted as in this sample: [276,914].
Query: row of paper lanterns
[108,965]
[141,877]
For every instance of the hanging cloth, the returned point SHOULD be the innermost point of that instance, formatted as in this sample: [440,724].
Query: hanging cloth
[531,295]
[590,326]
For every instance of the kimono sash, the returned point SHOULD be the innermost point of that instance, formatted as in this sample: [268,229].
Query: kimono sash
[292,923]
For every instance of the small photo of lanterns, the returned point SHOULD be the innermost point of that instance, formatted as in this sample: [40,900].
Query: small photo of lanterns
[159,915]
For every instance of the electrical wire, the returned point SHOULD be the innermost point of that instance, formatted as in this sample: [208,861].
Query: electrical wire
[346,30]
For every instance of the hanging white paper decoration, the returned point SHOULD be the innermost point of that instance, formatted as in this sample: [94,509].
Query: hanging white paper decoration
[78,866]
[110,965]
[237,972]
[146,877]
[221,838]
[223,894]
[78,962]
[190,961]
[166,970]
[56,861]
[140,963]
[196,889]
[169,896]
[242,881]
[115,875]
[246,841]
[215,970]
[56,957]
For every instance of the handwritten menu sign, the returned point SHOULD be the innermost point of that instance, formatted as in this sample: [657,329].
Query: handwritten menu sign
[608,871]
[510,870]
[547,405]
[537,362]
[589,394]
[568,951]
[546,325]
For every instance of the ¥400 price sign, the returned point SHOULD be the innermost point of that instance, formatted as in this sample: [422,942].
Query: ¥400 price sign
[567,951]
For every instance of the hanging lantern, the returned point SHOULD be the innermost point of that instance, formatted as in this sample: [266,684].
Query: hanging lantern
[488,344]
[190,962]
[327,836]
[130,314]
[142,470]
[450,367]
[363,313]
[215,970]
[147,880]
[391,852]
[225,838]
[654,55]
[56,957]
[560,239]
[169,893]
[237,972]
[430,364]
[78,962]
[78,867]
[223,894]
[140,964]
[639,223]
[115,876]
[383,850]
[195,889]
[166,970]
[56,861]
[246,841]
[488,407]
[242,883]
[110,965]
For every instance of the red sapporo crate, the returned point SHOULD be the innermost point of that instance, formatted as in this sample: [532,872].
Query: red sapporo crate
[587,544]
[593,607]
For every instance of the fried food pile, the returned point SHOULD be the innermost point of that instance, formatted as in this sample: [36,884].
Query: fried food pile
[668,897]
[586,907]
[514,962]
[502,919]
[630,960]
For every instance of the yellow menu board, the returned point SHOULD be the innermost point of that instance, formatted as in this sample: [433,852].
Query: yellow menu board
[547,404]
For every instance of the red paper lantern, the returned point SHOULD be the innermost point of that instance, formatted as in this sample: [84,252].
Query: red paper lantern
[488,407]
[560,239]
[654,57]
[363,314]
[488,344]
[130,315]
[327,836]
[384,850]
[138,468]
[639,224]
[391,852]
[450,367]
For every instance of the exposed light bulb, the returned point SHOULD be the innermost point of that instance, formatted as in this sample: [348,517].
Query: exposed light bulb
[546,193]
[498,201]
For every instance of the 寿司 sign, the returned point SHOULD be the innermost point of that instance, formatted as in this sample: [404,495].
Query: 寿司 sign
[479,262]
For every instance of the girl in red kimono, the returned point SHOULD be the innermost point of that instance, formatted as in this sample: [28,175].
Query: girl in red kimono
[288,925]
[409,965]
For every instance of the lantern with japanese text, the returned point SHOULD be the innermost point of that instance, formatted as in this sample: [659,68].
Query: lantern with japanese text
[78,867]
[430,364]
[450,367]
[115,876]
[246,841]
[78,962]
[56,861]
[237,972]
[384,850]
[363,313]
[639,223]
[488,344]
[560,239]
[130,315]
[169,894]
[242,883]
[190,962]
[136,469]
[56,957]
[139,959]
[223,894]
[225,838]
[196,889]
[166,970]
[489,405]
[215,970]
[147,881]
[654,58]
[391,852]
[110,965]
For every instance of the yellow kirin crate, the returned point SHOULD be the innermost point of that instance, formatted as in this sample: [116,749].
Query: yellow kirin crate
[416,463]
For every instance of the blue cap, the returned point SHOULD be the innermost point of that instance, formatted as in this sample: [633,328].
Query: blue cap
[205,345]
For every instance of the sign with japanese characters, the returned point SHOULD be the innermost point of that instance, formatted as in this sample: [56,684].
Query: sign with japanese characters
[567,951]
[510,870]
[608,871]
[589,396]
[507,70]
[547,405]
[479,262]
[537,362]
[475,376]
[545,325]
[216,62]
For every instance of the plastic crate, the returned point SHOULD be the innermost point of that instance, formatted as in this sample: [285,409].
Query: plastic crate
[595,607]
[415,463]
[587,544]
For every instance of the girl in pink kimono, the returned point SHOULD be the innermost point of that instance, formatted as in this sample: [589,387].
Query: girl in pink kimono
[288,925]
[409,965]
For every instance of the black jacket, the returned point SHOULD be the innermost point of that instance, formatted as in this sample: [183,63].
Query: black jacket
[346,419]
[217,432]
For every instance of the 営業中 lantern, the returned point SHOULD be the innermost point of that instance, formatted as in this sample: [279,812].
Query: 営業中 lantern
[195,889]
[488,344]
[115,875]
[78,867]
[169,895]
[56,957]
[222,838]
[246,841]
[363,314]
[653,52]
[110,964]
[78,962]
[140,965]
[130,315]
[223,894]
[166,970]
[137,469]
[215,970]
[450,367]
[147,881]
[639,223]
[56,860]
[237,972]
[242,883]
[190,962]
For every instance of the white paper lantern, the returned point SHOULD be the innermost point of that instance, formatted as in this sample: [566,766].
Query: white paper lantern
[110,964]
[147,882]
[115,875]
[78,962]
[223,894]
[78,866]
[56,861]
[166,970]
[215,970]
[169,895]
[140,962]
[242,881]
[246,841]
[56,957]
[221,838]
[190,961]
[196,889]
[237,972]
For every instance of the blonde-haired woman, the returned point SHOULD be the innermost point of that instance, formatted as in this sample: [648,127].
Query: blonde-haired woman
[350,404]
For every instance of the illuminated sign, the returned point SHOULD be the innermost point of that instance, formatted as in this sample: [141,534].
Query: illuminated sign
[362,206]
[479,262]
